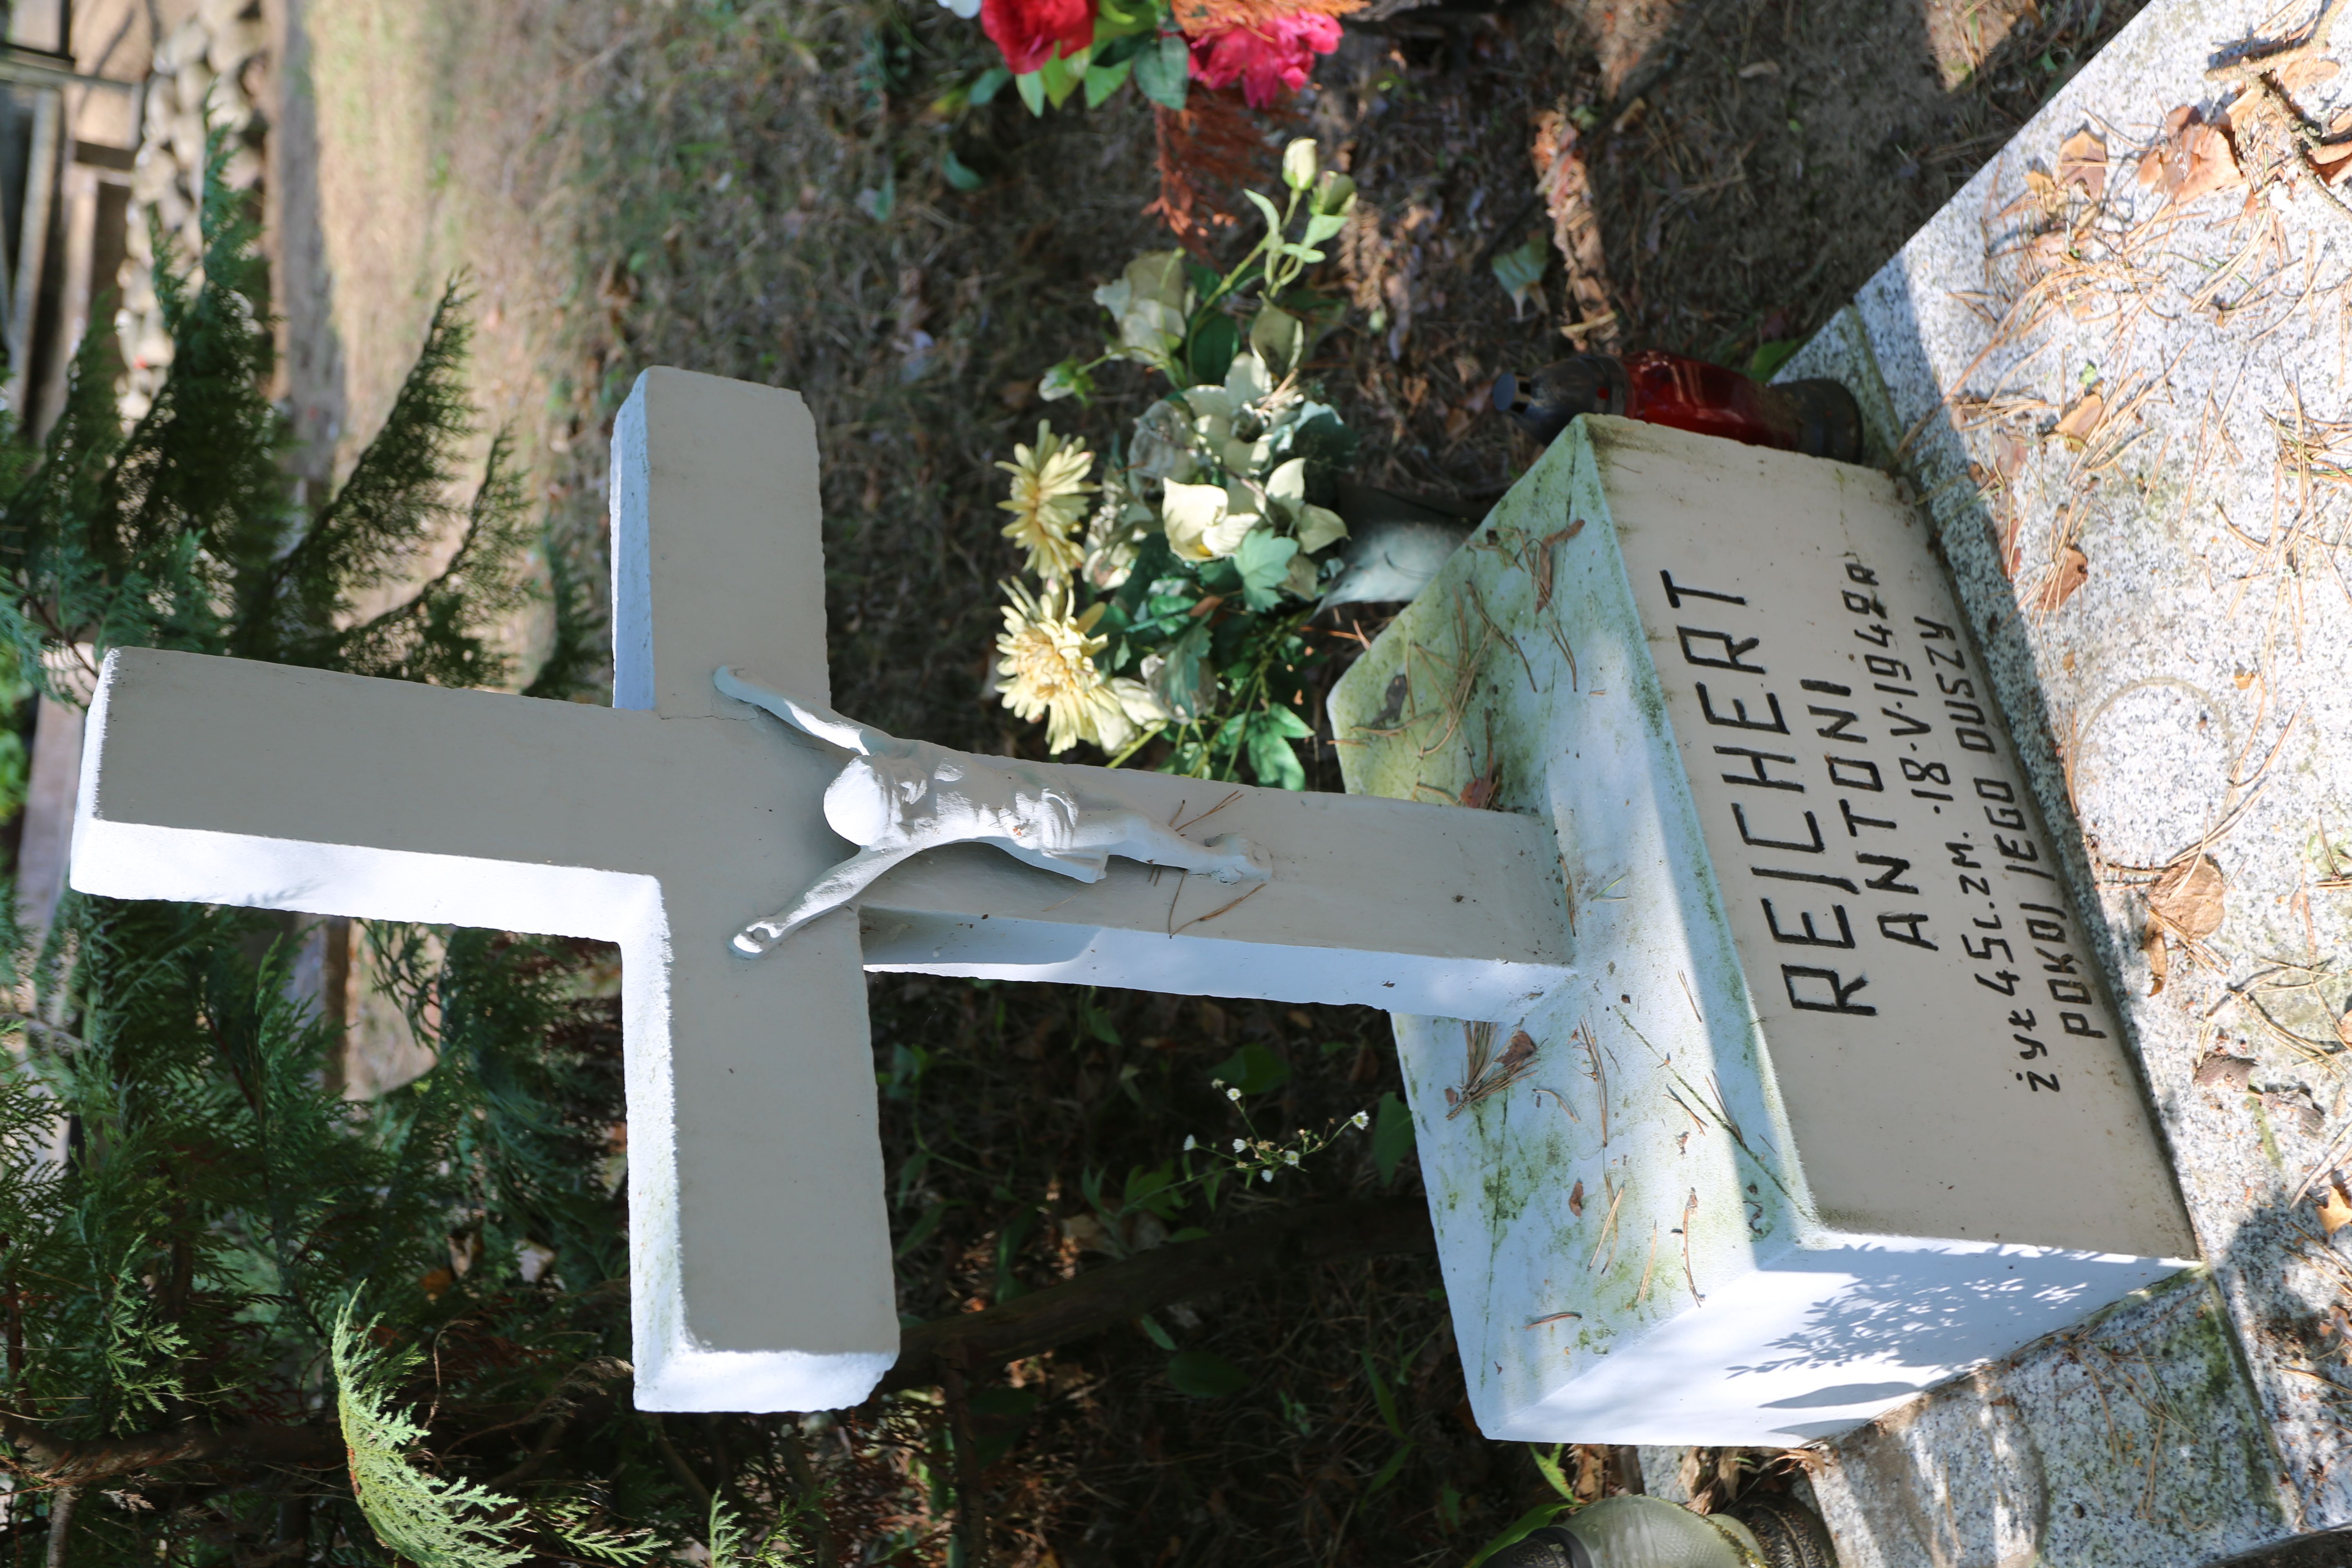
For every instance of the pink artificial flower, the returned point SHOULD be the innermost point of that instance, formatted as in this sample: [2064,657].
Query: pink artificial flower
[1032,32]
[1268,61]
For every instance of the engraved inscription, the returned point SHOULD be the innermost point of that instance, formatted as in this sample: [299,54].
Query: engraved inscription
[1879,817]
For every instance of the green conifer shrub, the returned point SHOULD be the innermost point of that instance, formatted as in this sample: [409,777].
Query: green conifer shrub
[242,1319]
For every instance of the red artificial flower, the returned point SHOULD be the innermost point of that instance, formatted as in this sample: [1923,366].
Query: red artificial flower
[1268,60]
[1032,32]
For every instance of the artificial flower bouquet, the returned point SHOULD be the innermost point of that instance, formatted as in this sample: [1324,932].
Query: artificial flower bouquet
[1172,596]
[1054,47]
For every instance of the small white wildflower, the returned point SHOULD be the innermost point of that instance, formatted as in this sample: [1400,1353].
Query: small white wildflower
[1216,1083]
[1239,1145]
[1190,1144]
[1290,1156]
[1360,1121]
[1234,1095]
[1267,1174]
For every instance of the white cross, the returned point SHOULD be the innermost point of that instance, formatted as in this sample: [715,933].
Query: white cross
[759,1248]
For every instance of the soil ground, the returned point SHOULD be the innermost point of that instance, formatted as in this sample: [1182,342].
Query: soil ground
[756,189]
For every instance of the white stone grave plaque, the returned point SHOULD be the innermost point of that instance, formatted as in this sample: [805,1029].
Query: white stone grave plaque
[759,1251]
[1837,1106]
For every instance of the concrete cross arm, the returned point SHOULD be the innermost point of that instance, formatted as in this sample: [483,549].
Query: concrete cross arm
[760,1250]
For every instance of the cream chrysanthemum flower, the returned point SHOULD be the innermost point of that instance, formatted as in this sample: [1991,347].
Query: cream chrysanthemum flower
[1045,666]
[1049,500]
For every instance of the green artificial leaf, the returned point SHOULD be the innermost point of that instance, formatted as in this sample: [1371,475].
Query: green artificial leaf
[1121,38]
[1253,1069]
[1265,210]
[1068,379]
[1284,721]
[992,82]
[1061,76]
[1766,363]
[1216,340]
[1323,225]
[1102,80]
[1277,336]
[1263,560]
[1204,1375]
[1185,683]
[1519,270]
[1151,563]
[1271,758]
[1519,1529]
[960,174]
[1319,527]
[1154,1332]
[1032,87]
[1163,72]
[1391,1137]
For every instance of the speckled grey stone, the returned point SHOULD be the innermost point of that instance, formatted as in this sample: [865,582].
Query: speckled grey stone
[2192,693]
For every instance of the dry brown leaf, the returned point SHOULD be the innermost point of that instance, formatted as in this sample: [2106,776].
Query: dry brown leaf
[2296,1111]
[2330,162]
[2045,253]
[1576,1200]
[2221,1070]
[2077,422]
[2309,71]
[2009,453]
[2335,1207]
[1521,1050]
[2073,570]
[2010,545]
[2192,158]
[2046,191]
[2082,161]
[2160,959]
[2188,897]
[2344,1028]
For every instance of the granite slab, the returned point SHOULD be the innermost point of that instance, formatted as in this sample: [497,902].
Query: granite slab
[2129,416]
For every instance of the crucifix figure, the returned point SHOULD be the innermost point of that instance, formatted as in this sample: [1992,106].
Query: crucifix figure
[897,798]
[760,1246]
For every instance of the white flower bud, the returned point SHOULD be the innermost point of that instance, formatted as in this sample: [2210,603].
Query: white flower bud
[1233,1094]
[1298,164]
[1239,1145]
[1266,1174]
[1290,1156]
[1190,1143]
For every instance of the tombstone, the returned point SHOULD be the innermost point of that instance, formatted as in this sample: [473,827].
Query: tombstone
[1836,1105]
[759,1251]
